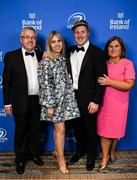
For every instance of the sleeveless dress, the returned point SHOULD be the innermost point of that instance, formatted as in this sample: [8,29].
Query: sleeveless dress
[112,116]
[56,90]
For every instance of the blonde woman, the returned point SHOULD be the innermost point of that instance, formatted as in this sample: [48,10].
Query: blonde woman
[56,93]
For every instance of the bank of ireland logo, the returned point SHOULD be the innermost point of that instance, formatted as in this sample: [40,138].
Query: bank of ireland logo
[32,15]
[120,22]
[3,134]
[75,17]
[32,21]
[120,15]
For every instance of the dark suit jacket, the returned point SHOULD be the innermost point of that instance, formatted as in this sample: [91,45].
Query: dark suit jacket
[93,66]
[15,85]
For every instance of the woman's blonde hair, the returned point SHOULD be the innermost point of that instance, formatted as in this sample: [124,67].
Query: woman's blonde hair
[48,44]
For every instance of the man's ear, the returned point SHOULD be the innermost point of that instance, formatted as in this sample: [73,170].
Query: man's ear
[21,40]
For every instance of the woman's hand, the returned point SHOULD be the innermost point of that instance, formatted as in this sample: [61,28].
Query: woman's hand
[104,80]
[50,112]
[92,107]
[120,85]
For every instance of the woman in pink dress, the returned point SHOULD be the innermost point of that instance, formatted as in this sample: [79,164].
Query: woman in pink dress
[112,116]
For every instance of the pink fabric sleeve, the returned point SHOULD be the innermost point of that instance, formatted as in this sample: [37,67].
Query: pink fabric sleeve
[129,70]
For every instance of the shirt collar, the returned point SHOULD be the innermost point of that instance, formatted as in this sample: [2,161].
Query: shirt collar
[86,45]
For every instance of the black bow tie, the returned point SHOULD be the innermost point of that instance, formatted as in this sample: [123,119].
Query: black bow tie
[80,49]
[28,53]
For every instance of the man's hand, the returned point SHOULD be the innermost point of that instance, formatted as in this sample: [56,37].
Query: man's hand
[8,109]
[92,107]
[47,54]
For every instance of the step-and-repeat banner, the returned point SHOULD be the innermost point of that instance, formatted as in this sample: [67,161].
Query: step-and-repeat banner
[106,18]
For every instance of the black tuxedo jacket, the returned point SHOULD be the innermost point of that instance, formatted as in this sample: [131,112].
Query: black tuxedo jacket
[15,85]
[93,66]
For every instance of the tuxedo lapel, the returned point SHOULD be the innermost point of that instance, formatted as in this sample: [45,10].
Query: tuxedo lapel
[38,55]
[86,58]
[21,63]
[21,59]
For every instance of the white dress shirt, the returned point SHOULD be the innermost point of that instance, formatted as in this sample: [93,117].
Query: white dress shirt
[76,59]
[31,65]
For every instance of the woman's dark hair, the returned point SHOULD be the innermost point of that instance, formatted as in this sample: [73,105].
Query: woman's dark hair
[123,48]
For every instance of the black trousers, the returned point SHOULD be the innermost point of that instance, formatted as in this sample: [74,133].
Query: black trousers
[85,130]
[28,131]
[86,137]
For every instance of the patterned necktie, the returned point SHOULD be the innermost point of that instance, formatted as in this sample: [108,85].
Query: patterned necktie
[80,49]
[28,53]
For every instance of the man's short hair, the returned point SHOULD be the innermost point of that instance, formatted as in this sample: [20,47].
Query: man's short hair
[28,28]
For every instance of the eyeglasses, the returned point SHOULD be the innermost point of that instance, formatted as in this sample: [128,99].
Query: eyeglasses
[29,37]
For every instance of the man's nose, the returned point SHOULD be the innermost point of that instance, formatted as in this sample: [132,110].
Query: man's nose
[79,34]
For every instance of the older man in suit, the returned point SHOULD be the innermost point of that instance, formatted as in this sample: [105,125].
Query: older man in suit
[20,92]
[86,63]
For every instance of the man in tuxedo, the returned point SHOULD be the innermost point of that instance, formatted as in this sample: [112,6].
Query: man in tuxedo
[20,92]
[86,63]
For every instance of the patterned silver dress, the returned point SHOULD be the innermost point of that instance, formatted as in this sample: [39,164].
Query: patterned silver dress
[56,90]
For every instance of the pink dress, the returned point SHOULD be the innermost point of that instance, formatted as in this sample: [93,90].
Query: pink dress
[112,116]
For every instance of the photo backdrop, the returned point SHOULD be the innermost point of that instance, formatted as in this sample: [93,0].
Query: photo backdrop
[106,18]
